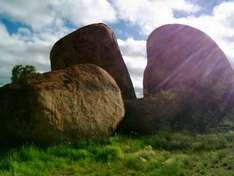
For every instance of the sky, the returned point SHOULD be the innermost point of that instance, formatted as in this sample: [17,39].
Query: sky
[29,28]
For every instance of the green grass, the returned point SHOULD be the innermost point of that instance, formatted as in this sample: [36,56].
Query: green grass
[166,154]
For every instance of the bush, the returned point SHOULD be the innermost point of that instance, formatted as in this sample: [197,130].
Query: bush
[19,72]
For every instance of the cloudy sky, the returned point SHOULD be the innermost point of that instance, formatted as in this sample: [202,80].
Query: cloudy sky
[29,28]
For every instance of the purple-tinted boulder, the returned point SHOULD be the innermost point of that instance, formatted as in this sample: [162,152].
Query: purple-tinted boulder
[183,58]
[94,44]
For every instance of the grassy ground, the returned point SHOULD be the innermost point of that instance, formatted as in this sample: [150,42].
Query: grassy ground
[164,154]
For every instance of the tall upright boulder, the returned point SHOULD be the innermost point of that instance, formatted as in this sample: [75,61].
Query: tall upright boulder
[79,102]
[181,57]
[94,44]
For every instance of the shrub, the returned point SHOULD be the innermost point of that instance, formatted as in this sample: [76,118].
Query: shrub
[19,72]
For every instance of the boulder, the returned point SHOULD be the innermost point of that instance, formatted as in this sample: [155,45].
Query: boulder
[79,102]
[139,119]
[180,57]
[168,110]
[94,44]
[146,116]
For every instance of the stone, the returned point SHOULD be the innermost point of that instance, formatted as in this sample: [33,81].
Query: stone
[146,116]
[139,119]
[170,111]
[180,57]
[94,44]
[66,105]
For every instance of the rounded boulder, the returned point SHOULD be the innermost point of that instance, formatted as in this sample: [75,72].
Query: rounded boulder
[93,44]
[67,105]
[180,57]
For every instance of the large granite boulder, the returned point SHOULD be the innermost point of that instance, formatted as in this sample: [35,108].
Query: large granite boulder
[149,115]
[181,57]
[95,44]
[70,104]
[169,110]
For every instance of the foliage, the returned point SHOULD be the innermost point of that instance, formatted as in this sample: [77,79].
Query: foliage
[165,154]
[19,72]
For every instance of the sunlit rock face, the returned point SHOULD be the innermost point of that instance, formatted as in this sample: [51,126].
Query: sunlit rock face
[94,44]
[67,105]
[182,58]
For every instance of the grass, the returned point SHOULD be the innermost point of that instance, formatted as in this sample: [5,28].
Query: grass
[166,154]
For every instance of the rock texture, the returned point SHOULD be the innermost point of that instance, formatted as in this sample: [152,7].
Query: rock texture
[148,115]
[181,57]
[174,111]
[95,44]
[140,118]
[81,101]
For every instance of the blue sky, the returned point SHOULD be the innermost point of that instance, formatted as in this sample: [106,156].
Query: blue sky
[29,28]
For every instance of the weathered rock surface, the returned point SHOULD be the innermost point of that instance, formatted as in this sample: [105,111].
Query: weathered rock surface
[148,115]
[81,101]
[94,44]
[168,110]
[180,57]
[139,118]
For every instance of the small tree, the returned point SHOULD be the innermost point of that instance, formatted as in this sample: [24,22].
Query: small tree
[20,71]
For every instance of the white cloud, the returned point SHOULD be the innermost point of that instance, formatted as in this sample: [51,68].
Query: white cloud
[25,47]
[53,13]
[134,55]
[131,47]
[33,13]
[224,13]
[86,11]
[149,14]
[181,5]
